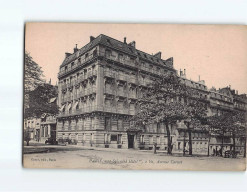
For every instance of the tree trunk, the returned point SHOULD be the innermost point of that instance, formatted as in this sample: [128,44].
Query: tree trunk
[222,143]
[209,137]
[169,144]
[234,143]
[190,143]
[184,144]
[244,147]
[190,139]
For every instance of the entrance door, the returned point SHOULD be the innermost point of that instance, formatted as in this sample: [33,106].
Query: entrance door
[131,141]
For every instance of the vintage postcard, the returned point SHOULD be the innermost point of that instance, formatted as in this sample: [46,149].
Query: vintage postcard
[135,96]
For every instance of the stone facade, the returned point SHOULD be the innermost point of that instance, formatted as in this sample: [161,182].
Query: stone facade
[99,86]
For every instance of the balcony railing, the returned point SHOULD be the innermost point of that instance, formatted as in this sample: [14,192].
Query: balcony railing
[121,77]
[89,109]
[121,93]
[108,90]
[109,74]
[132,95]
[83,61]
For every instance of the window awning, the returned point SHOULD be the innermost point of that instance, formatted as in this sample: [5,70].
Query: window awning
[69,106]
[52,100]
[76,103]
[61,109]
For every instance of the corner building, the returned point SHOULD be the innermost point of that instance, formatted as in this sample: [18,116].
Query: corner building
[99,86]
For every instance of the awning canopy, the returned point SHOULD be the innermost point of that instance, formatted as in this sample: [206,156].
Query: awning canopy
[61,109]
[52,100]
[69,106]
[76,103]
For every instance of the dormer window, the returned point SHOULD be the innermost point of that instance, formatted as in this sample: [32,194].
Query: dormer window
[108,41]
[72,64]
[86,55]
[95,52]
[79,60]
[108,53]
[66,68]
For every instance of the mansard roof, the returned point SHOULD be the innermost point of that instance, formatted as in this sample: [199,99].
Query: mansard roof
[118,45]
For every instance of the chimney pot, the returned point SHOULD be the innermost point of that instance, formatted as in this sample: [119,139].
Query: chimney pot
[75,49]
[91,38]
[124,39]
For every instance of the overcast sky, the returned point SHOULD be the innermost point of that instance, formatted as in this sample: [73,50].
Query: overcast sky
[217,53]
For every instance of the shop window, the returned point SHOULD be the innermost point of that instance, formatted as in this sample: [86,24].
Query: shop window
[113,137]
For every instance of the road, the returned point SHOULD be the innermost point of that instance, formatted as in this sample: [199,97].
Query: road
[105,158]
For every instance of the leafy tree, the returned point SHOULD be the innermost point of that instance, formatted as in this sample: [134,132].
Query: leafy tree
[166,101]
[39,101]
[33,74]
[229,123]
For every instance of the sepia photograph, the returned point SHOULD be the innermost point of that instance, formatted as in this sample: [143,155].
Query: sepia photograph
[135,96]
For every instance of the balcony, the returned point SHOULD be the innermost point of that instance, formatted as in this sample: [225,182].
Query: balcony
[108,90]
[123,111]
[91,73]
[90,90]
[76,65]
[121,77]
[132,95]
[109,74]
[132,79]
[121,93]
[109,109]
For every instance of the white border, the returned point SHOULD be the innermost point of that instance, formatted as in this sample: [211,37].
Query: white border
[13,14]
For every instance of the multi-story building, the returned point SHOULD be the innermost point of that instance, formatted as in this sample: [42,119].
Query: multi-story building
[32,125]
[48,124]
[222,101]
[98,90]
[99,86]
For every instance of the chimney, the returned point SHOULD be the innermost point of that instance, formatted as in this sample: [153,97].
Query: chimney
[75,49]
[67,54]
[199,78]
[125,40]
[181,72]
[158,55]
[132,44]
[50,81]
[237,92]
[184,72]
[91,38]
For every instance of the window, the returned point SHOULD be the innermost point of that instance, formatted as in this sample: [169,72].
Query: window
[79,60]
[142,139]
[107,123]
[120,57]
[119,138]
[179,145]
[113,137]
[151,139]
[95,52]
[158,139]
[108,53]
[86,55]
[120,125]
